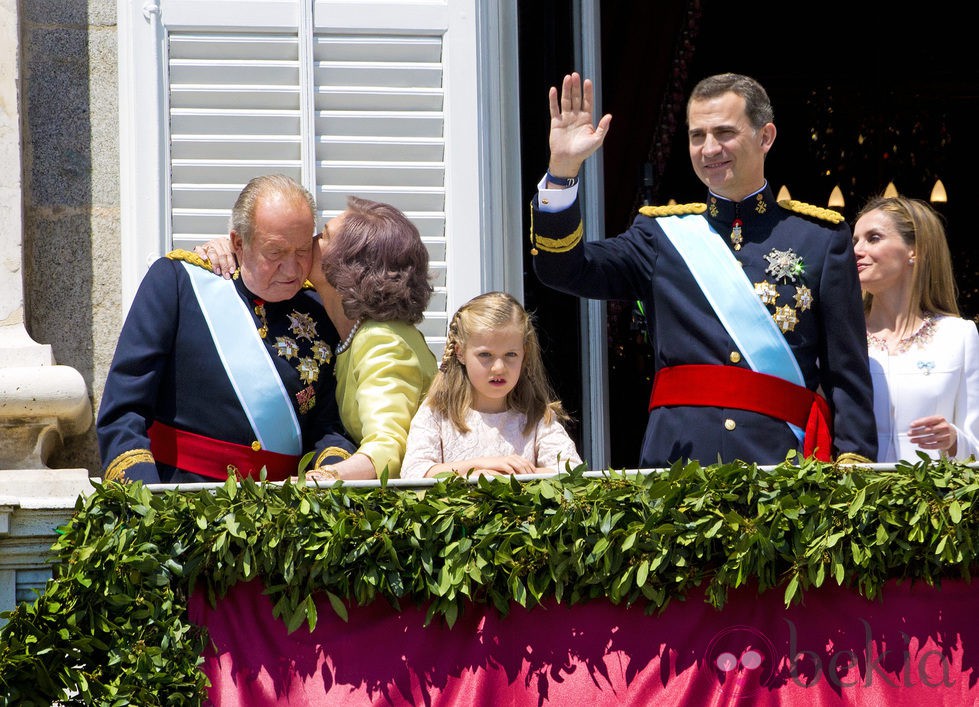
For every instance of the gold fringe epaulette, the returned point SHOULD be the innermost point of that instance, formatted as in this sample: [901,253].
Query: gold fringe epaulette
[801,207]
[673,209]
[191,257]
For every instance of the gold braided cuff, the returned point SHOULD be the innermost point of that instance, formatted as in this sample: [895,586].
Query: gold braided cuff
[852,458]
[116,471]
[331,452]
[558,245]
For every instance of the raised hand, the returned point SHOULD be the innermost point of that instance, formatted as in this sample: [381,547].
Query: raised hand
[574,135]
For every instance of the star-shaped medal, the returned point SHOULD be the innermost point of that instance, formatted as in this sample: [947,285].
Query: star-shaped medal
[784,264]
[302,325]
[785,317]
[321,352]
[766,291]
[309,370]
[286,347]
[803,298]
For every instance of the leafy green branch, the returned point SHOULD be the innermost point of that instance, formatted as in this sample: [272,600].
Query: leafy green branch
[111,627]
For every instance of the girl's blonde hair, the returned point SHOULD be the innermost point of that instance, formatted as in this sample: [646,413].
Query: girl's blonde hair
[920,227]
[450,394]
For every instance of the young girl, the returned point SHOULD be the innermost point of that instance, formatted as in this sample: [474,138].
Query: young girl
[490,409]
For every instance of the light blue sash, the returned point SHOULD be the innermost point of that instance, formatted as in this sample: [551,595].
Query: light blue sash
[254,377]
[733,298]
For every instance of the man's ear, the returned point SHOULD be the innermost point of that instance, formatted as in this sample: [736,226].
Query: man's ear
[237,244]
[767,136]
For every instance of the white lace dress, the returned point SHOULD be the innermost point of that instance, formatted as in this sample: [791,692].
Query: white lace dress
[433,439]
[935,371]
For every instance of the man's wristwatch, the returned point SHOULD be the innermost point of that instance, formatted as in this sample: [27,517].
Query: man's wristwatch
[563,182]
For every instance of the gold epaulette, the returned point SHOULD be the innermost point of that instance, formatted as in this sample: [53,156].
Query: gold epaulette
[116,471]
[801,207]
[673,209]
[191,257]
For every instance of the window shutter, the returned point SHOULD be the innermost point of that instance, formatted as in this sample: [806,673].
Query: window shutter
[234,104]
[379,107]
[349,100]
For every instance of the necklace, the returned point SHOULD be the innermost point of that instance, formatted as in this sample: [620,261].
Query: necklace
[345,344]
[921,337]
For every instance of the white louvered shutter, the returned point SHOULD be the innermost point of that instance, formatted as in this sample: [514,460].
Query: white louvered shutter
[346,97]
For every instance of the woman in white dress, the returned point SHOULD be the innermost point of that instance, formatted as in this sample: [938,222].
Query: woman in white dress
[490,409]
[924,358]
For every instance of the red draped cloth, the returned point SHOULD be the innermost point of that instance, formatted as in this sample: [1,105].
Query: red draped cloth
[919,646]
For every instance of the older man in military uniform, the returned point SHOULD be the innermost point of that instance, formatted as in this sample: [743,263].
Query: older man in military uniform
[753,306]
[216,376]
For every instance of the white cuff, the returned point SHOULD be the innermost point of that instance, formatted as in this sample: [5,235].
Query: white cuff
[554,200]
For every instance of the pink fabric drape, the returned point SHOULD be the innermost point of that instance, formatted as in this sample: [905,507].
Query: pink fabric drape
[919,646]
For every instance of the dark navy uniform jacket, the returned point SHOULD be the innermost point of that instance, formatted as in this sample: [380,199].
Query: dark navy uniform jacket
[829,341]
[167,368]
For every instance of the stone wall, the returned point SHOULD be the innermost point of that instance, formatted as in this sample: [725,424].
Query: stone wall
[70,133]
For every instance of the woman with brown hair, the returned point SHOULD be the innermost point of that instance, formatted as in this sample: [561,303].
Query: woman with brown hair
[375,286]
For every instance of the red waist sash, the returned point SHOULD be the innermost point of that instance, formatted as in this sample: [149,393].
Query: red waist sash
[744,389]
[215,458]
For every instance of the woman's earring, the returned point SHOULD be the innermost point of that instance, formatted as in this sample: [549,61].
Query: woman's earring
[911,260]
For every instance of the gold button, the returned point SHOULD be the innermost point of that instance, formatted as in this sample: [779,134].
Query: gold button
[256,446]
[735,357]
[730,424]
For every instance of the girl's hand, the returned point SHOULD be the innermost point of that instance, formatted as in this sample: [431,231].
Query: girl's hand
[934,432]
[494,466]
[510,464]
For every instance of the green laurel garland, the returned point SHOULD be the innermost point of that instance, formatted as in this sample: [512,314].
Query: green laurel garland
[111,627]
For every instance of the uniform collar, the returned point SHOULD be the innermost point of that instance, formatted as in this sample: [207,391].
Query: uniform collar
[723,211]
[242,289]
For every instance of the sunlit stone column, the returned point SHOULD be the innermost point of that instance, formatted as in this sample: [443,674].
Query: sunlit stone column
[40,402]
